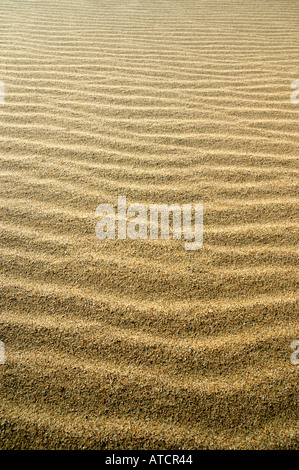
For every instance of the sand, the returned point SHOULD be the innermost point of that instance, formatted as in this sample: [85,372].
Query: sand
[139,344]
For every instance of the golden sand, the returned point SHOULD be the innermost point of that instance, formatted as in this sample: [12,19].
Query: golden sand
[140,344]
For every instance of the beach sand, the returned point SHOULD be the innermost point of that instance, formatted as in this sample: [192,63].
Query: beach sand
[140,344]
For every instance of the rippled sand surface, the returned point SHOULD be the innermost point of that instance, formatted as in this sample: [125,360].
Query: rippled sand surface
[123,344]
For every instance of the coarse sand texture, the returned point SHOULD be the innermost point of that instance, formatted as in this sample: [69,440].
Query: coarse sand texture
[140,344]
